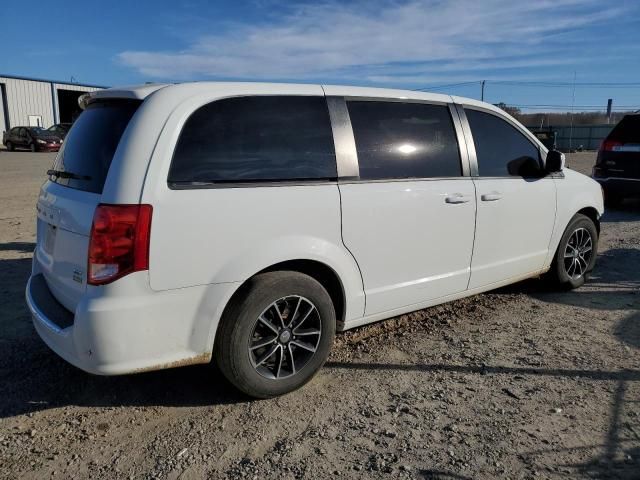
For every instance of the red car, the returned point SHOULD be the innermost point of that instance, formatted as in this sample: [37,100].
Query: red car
[35,139]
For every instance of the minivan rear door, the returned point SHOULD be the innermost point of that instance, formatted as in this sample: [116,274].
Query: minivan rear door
[69,197]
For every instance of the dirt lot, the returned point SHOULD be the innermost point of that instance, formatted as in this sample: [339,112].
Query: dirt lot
[522,382]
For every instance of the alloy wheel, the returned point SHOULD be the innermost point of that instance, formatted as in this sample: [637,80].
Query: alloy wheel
[578,252]
[285,337]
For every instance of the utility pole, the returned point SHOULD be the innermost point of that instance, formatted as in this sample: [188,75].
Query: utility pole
[482,91]
[573,105]
[609,106]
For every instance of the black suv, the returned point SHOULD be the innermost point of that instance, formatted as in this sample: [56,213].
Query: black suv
[617,168]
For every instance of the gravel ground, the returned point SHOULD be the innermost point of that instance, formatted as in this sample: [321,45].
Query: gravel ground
[522,382]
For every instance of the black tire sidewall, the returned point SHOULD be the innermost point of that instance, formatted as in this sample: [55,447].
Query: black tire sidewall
[10,146]
[578,221]
[33,147]
[237,326]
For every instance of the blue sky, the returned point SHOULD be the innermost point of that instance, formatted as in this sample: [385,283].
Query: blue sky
[405,44]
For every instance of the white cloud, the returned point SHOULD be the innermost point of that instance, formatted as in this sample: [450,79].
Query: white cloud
[416,41]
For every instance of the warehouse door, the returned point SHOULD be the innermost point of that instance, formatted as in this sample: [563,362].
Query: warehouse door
[4,109]
[68,105]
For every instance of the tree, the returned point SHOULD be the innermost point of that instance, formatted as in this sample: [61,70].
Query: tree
[513,111]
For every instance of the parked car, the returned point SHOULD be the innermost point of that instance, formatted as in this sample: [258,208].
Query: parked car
[617,168]
[60,129]
[35,139]
[248,222]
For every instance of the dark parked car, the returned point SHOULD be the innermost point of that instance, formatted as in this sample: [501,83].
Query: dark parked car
[36,139]
[618,166]
[60,129]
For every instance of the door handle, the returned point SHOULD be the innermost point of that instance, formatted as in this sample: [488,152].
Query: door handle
[491,197]
[457,198]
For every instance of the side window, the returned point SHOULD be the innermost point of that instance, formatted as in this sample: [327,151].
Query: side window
[263,138]
[502,151]
[15,131]
[404,140]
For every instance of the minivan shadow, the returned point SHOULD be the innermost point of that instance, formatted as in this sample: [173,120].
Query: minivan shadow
[615,282]
[34,378]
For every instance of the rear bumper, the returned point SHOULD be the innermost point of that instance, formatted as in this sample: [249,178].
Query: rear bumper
[47,148]
[620,186]
[126,328]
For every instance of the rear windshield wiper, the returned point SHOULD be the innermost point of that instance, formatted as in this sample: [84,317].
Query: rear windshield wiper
[63,174]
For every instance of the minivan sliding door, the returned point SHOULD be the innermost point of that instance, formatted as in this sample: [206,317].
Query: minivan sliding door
[408,218]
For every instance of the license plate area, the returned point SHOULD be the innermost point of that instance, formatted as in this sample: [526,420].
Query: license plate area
[49,240]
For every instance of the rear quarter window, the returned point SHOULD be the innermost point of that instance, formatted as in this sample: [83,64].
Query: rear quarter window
[253,139]
[89,147]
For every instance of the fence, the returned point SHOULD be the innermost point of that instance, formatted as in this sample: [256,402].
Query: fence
[583,137]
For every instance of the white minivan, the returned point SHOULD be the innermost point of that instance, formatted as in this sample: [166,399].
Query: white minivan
[248,222]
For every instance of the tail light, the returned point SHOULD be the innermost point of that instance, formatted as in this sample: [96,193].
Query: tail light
[610,145]
[119,242]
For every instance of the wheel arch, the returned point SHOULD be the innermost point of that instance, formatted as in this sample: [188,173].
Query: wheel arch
[592,214]
[321,272]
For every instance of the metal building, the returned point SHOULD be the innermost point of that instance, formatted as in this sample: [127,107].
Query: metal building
[37,102]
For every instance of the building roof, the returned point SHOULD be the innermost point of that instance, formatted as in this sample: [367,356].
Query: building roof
[32,79]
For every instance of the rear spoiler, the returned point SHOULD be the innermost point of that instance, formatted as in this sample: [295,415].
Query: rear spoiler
[137,92]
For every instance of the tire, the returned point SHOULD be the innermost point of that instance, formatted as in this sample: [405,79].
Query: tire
[570,272]
[10,147]
[32,147]
[246,364]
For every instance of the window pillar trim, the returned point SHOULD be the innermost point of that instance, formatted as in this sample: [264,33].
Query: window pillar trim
[343,139]
[468,140]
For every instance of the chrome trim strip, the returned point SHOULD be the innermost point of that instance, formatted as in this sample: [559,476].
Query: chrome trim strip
[344,141]
[410,179]
[624,179]
[463,150]
[471,147]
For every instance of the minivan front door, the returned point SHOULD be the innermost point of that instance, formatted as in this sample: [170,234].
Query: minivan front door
[516,202]
[409,217]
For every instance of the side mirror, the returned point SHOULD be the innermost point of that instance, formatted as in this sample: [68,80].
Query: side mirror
[554,162]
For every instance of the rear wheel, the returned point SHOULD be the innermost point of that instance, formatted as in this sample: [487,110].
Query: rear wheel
[576,254]
[10,146]
[276,335]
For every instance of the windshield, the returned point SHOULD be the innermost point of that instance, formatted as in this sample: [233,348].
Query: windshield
[37,130]
[90,145]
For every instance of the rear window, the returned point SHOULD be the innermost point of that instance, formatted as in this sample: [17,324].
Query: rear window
[250,139]
[627,131]
[89,147]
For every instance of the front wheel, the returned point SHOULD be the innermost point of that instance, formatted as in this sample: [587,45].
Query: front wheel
[576,254]
[276,334]
[32,147]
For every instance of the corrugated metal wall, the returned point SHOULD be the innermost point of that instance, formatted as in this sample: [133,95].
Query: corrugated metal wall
[27,97]
[33,97]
